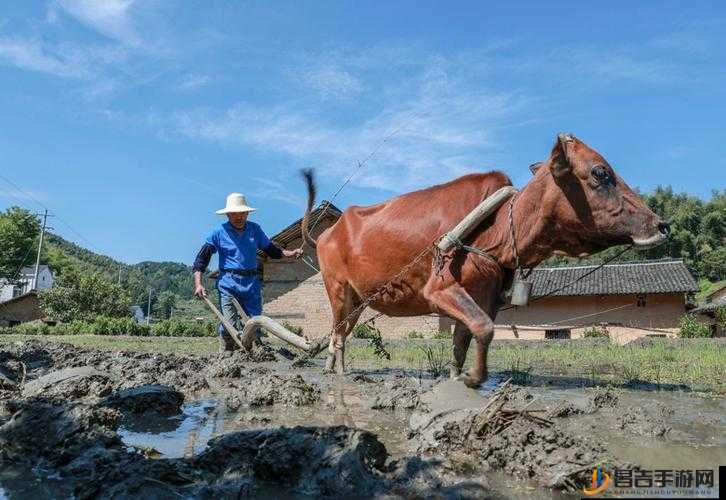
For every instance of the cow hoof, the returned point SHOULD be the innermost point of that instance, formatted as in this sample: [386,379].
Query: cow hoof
[471,382]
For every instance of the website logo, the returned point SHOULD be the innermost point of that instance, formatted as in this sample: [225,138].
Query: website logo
[600,482]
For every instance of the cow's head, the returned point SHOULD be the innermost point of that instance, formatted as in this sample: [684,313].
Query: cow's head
[592,208]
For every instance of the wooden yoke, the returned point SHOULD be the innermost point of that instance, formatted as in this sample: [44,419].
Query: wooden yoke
[481,211]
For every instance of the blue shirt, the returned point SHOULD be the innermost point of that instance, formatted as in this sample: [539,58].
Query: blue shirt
[238,249]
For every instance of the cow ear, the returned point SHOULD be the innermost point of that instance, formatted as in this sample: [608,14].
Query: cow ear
[534,167]
[559,160]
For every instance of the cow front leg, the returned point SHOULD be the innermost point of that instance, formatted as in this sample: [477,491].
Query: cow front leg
[462,339]
[458,304]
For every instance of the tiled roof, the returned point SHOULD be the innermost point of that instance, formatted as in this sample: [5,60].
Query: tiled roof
[659,276]
[29,272]
[294,230]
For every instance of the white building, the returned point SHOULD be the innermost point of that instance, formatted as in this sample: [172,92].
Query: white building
[25,282]
[138,314]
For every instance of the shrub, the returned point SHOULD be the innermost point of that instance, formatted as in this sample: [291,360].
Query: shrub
[721,316]
[414,335]
[692,328]
[103,325]
[364,331]
[176,327]
[32,328]
[73,328]
[596,332]
[443,334]
[373,334]
[438,358]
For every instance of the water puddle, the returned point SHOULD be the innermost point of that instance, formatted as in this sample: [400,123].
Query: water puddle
[203,419]
[176,436]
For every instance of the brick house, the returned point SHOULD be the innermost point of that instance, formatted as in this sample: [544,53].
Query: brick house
[21,309]
[707,311]
[630,300]
[294,292]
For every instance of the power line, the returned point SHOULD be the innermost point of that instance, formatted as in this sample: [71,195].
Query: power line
[58,217]
[361,164]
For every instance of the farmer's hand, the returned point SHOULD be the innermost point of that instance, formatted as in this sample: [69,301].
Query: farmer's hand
[293,254]
[200,292]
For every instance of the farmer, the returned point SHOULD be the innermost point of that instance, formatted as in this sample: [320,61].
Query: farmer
[237,242]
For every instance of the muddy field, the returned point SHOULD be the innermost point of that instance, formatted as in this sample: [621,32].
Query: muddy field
[78,422]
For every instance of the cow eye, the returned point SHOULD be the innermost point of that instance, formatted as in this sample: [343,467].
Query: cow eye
[600,174]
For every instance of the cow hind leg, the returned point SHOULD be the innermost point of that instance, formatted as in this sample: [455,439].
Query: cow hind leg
[344,302]
[458,304]
[462,339]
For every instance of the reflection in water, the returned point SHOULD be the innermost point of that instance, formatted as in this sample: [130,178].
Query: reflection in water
[199,422]
[187,434]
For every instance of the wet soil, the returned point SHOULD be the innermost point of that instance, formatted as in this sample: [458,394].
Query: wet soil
[88,423]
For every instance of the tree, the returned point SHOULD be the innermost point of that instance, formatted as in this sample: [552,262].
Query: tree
[80,296]
[18,234]
[163,305]
[697,235]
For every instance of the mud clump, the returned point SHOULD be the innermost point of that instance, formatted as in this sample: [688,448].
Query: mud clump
[641,422]
[41,432]
[160,399]
[263,388]
[565,409]
[231,364]
[186,373]
[70,383]
[335,461]
[399,393]
[602,399]
[512,438]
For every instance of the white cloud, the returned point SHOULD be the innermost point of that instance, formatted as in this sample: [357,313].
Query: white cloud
[111,18]
[436,125]
[32,55]
[95,67]
[274,189]
[331,81]
[192,82]
[622,64]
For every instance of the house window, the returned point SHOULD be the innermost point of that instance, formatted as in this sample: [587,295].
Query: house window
[640,300]
[562,333]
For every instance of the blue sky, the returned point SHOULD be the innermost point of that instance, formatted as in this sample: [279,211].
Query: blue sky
[132,120]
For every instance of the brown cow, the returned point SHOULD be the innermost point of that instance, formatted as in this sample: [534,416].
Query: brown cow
[575,204]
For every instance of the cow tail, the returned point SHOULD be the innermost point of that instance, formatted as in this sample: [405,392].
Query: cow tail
[309,178]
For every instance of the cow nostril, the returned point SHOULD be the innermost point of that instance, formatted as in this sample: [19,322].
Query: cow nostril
[664,227]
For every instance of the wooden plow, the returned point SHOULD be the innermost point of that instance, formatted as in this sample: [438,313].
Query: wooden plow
[246,338]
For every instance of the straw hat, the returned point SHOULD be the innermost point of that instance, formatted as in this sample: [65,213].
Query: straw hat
[236,203]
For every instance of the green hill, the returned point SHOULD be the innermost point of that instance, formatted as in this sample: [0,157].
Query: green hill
[171,283]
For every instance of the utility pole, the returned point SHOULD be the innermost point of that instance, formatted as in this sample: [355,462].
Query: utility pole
[148,309]
[40,248]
